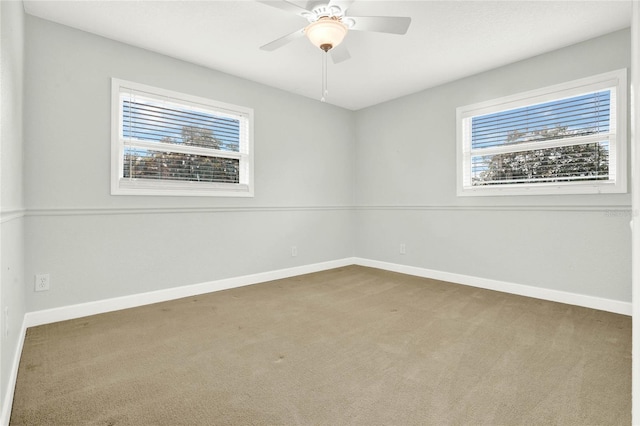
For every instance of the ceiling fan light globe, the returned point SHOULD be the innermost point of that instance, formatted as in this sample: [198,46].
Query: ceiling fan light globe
[326,33]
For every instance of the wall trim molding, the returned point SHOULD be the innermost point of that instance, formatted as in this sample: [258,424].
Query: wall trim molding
[586,301]
[9,215]
[108,211]
[131,301]
[7,403]
[612,210]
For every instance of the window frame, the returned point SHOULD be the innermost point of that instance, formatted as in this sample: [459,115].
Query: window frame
[137,186]
[617,183]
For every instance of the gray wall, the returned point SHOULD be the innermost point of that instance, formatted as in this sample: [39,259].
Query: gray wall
[394,162]
[12,294]
[97,246]
[406,190]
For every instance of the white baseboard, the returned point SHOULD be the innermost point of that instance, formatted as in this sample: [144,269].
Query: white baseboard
[108,305]
[7,403]
[125,302]
[599,303]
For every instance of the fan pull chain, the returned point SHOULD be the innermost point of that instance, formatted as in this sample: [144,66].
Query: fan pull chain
[325,92]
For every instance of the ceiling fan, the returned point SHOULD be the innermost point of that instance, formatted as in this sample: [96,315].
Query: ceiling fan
[329,24]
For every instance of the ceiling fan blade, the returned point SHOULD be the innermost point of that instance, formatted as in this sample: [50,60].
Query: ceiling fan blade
[339,53]
[285,5]
[275,44]
[381,24]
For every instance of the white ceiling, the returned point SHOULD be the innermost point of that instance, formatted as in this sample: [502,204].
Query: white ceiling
[447,40]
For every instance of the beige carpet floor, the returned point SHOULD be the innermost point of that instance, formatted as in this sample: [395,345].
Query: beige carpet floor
[352,345]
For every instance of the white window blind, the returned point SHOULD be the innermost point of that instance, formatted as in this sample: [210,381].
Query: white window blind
[564,139]
[175,144]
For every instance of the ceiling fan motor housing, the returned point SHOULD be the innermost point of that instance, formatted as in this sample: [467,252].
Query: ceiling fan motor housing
[324,11]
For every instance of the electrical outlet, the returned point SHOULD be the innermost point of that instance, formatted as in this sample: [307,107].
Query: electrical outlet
[42,282]
[294,251]
[403,248]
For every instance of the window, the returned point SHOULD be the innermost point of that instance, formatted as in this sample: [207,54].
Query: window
[564,139]
[168,143]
